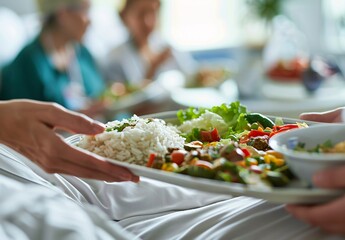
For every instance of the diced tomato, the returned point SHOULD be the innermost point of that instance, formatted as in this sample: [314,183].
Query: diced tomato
[177,156]
[204,164]
[210,136]
[246,152]
[205,136]
[151,160]
[215,135]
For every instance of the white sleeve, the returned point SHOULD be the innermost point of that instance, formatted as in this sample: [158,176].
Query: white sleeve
[35,212]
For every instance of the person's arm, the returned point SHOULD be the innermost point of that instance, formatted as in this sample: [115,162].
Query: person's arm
[28,127]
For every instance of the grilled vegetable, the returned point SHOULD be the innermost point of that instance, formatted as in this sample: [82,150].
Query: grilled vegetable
[257,117]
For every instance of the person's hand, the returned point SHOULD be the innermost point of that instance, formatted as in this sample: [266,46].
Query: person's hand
[329,216]
[332,116]
[28,127]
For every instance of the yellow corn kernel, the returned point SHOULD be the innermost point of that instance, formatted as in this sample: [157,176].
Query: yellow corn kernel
[275,153]
[169,167]
[279,162]
[241,163]
[269,158]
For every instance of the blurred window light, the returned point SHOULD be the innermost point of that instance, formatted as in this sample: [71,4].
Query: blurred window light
[334,11]
[202,24]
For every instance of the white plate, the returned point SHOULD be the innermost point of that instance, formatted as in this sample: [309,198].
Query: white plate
[296,192]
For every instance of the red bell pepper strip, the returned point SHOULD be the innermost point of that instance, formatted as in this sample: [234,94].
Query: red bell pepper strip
[151,159]
[283,128]
[257,133]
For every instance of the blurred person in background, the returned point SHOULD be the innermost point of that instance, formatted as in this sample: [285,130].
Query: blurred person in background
[144,55]
[55,66]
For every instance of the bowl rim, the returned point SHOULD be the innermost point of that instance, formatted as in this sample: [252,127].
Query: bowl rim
[307,156]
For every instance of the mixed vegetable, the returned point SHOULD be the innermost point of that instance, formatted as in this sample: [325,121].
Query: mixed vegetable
[227,143]
[326,147]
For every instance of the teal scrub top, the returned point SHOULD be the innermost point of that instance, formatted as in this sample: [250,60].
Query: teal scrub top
[32,76]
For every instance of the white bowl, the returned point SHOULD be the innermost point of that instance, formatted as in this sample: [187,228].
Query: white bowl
[305,164]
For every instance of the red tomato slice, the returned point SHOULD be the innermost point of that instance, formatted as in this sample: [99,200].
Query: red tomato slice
[215,135]
[210,136]
[205,136]
[177,156]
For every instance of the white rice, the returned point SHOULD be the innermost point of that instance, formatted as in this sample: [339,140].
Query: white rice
[134,143]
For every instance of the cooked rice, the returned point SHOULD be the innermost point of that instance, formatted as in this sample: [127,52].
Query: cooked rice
[134,143]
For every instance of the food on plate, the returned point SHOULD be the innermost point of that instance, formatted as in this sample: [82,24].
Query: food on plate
[209,77]
[224,142]
[326,147]
[118,90]
[288,70]
[132,140]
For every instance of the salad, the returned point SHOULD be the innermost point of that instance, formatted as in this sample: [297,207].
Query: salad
[326,147]
[227,143]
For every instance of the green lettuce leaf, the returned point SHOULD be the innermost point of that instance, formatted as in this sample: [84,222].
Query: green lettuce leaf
[233,114]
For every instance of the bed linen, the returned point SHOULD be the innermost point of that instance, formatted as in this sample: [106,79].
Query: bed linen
[148,210]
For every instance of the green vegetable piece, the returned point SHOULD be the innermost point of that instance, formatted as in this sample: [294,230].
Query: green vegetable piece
[223,176]
[277,179]
[197,171]
[257,117]
[254,126]
[279,121]
[222,164]
[182,170]
[286,171]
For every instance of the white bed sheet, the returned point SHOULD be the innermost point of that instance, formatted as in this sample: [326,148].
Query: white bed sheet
[157,210]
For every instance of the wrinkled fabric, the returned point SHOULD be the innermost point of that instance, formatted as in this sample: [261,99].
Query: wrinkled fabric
[34,212]
[117,200]
[149,210]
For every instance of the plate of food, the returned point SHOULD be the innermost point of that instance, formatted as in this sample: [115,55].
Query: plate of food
[120,97]
[224,149]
